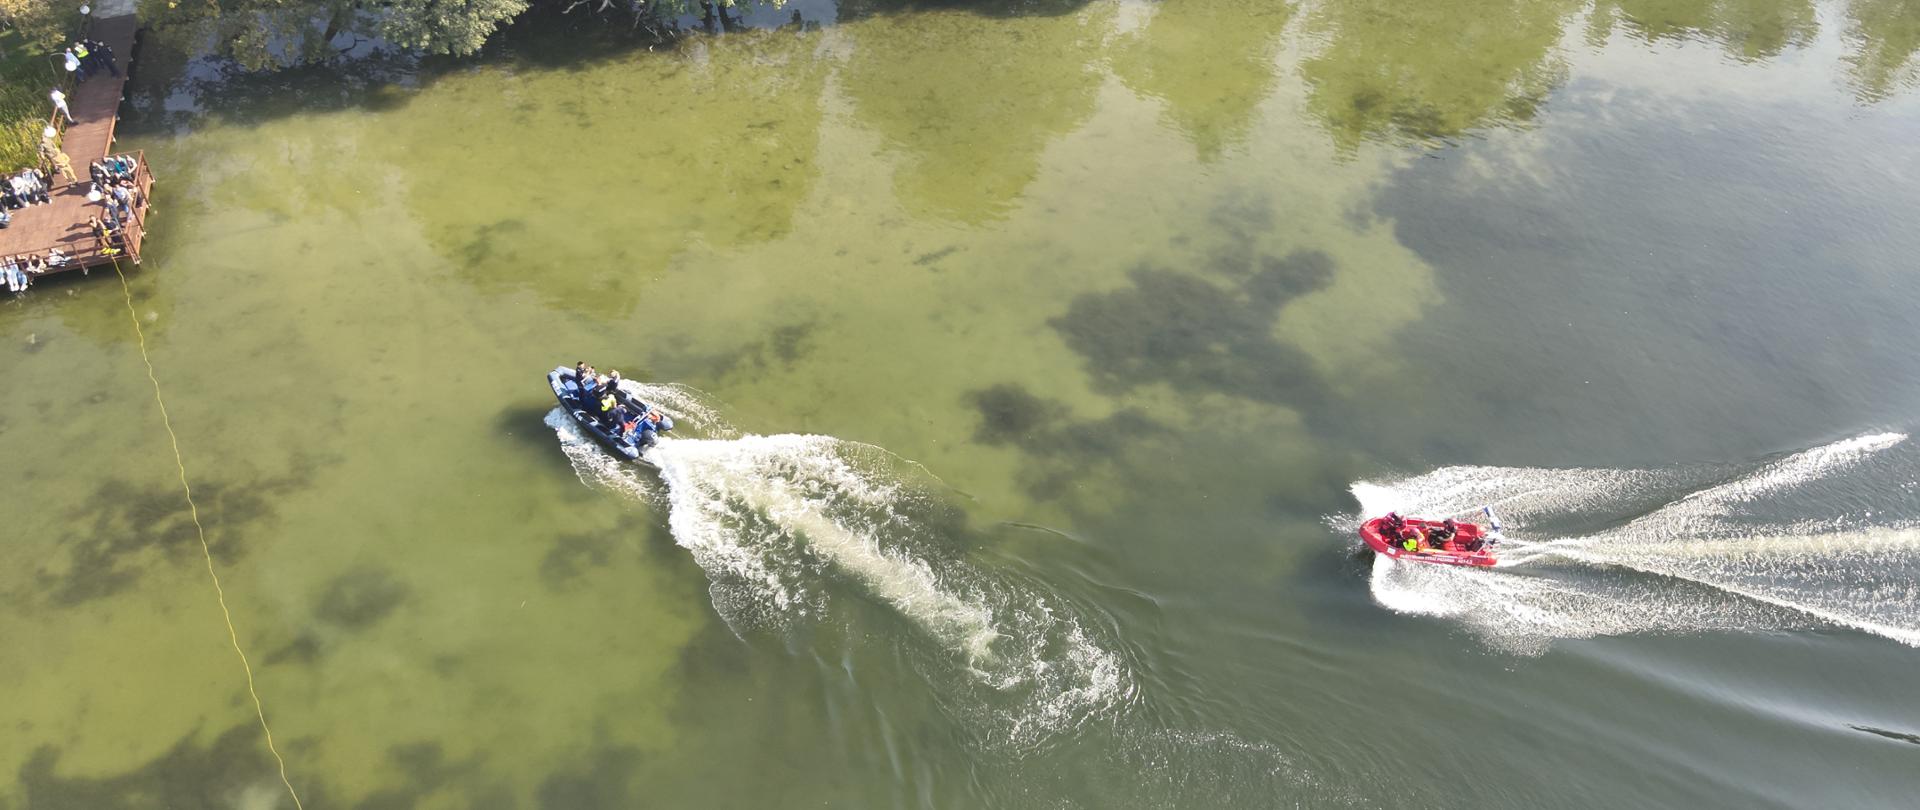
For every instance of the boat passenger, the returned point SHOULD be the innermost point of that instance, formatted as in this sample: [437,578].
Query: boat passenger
[1411,540]
[1439,537]
[607,400]
[613,379]
[652,424]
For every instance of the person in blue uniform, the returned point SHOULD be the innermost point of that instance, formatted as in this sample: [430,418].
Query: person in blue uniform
[651,425]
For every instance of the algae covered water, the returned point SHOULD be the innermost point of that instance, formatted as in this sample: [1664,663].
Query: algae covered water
[1033,363]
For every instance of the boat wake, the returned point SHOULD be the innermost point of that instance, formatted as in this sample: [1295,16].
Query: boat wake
[1793,543]
[783,523]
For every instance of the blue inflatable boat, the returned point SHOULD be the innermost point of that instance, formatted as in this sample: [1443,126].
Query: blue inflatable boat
[567,390]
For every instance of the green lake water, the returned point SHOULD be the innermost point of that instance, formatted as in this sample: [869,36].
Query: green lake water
[1034,364]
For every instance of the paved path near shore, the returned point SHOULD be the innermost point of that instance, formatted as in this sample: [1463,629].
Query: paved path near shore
[95,103]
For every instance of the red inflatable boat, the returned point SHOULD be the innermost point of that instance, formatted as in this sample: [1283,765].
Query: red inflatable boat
[1470,545]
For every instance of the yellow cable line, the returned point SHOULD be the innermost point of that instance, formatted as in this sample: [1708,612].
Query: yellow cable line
[233,634]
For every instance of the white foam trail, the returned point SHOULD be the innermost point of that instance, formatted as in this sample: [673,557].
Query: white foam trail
[683,403]
[1787,473]
[795,481]
[1517,492]
[594,466]
[774,519]
[1724,571]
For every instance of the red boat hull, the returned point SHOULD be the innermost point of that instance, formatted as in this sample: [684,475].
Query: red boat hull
[1454,552]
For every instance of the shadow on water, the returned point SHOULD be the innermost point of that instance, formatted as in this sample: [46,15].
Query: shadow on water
[1064,449]
[1194,335]
[605,778]
[361,597]
[855,9]
[427,771]
[353,602]
[781,348]
[234,769]
[525,426]
[190,774]
[118,533]
[576,553]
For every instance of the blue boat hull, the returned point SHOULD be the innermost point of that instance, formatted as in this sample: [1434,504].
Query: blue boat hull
[567,393]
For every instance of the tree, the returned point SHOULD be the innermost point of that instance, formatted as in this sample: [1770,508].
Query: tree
[1882,38]
[40,23]
[445,26]
[278,33]
[1428,72]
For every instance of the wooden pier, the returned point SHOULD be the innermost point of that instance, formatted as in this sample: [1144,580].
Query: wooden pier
[62,224]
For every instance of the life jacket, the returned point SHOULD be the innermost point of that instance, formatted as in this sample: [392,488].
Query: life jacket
[80,50]
[607,402]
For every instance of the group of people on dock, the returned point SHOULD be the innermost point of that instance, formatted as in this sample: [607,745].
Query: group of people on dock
[113,186]
[117,193]
[28,187]
[18,272]
[626,417]
[83,58]
[87,57]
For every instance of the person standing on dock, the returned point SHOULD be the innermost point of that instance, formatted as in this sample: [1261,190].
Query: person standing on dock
[102,54]
[79,49]
[60,104]
[64,164]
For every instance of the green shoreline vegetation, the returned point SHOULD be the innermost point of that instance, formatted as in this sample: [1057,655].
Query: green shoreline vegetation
[30,30]
[262,34]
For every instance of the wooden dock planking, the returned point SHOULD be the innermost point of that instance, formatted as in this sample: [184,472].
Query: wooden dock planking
[63,223]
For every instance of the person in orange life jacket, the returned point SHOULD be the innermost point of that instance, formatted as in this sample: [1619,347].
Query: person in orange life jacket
[652,424]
